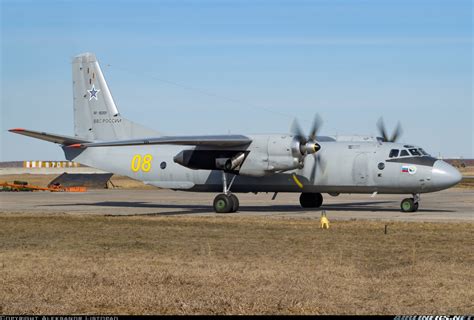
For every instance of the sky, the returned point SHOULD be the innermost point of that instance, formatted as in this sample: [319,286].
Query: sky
[210,67]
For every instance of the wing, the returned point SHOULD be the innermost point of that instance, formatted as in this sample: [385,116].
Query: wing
[214,141]
[56,138]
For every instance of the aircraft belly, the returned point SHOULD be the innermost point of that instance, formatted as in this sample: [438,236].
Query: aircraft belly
[283,182]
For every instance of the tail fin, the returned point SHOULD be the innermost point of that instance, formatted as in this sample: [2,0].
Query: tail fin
[96,116]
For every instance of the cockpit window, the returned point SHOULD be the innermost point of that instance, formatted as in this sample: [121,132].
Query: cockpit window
[404,153]
[414,152]
[423,152]
[393,153]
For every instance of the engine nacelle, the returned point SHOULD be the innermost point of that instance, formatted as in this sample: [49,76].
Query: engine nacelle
[266,155]
[272,154]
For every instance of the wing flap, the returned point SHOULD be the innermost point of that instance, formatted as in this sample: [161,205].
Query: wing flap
[56,138]
[215,141]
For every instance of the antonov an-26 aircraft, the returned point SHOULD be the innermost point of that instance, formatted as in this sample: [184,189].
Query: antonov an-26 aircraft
[228,164]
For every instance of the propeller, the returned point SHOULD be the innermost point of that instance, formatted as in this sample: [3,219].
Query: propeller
[308,144]
[383,132]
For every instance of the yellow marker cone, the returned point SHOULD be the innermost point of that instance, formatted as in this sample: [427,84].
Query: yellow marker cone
[324,222]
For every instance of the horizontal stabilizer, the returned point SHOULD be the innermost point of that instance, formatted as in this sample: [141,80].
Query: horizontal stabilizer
[56,138]
[214,141]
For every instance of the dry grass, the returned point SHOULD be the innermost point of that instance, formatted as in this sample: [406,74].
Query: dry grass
[232,265]
[466,171]
[466,183]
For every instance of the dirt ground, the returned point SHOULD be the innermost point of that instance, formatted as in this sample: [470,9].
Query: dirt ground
[42,180]
[64,264]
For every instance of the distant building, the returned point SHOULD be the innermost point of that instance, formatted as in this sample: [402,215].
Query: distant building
[50,164]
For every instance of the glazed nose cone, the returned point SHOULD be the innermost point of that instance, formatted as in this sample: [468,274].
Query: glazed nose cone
[444,175]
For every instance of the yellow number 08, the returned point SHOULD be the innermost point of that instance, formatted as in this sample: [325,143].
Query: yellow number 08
[139,163]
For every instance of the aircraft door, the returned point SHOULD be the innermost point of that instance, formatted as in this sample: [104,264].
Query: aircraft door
[360,169]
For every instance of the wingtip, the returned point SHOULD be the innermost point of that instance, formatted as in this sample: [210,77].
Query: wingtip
[16,129]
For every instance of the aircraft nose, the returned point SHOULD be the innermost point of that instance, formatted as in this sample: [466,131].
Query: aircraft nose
[445,175]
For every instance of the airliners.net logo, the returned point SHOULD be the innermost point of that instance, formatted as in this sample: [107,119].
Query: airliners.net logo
[434,318]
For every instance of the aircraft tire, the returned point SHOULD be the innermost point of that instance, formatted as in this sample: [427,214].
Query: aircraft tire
[416,206]
[235,202]
[311,200]
[408,205]
[223,203]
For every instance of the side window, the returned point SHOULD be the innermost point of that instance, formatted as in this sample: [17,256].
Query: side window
[404,153]
[393,153]
[415,152]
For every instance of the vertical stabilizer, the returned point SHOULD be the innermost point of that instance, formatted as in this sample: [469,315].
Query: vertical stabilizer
[96,116]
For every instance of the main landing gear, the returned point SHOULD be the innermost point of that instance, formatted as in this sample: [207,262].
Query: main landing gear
[410,204]
[311,200]
[226,202]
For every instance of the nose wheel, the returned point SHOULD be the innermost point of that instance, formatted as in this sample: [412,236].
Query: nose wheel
[410,204]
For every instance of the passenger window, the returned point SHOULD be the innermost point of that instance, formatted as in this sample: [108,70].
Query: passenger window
[415,152]
[393,153]
[404,153]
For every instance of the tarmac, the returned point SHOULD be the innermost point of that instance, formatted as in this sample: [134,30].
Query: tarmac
[453,205]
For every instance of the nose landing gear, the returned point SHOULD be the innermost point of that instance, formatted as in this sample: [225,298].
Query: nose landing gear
[410,204]
[226,202]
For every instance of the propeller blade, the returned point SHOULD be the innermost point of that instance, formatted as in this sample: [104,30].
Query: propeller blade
[318,163]
[382,131]
[312,176]
[397,133]
[297,131]
[317,122]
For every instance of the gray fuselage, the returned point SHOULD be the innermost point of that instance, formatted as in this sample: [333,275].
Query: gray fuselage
[355,166]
